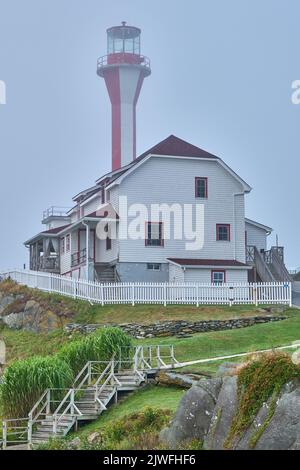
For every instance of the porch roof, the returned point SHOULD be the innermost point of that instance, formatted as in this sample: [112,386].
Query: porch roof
[208,263]
[105,212]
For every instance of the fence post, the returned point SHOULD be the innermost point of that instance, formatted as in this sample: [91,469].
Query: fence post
[102,295]
[90,373]
[29,430]
[72,401]
[165,294]
[197,295]
[74,288]
[48,407]
[255,296]
[132,293]
[290,293]
[4,434]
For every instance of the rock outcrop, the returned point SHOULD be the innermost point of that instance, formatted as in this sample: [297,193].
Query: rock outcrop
[207,410]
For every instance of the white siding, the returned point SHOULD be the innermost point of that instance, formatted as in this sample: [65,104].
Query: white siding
[103,255]
[256,236]
[204,275]
[165,180]
[92,205]
[65,258]
[176,273]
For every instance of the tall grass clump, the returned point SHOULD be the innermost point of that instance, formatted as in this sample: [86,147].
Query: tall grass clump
[26,380]
[99,346]
[259,381]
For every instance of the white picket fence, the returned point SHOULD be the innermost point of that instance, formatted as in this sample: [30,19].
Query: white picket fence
[156,293]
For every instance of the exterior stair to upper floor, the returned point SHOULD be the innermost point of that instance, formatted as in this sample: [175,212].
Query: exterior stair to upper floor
[268,266]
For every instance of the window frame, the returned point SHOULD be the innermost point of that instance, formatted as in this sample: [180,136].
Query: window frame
[205,179]
[161,239]
[153,267]
[218,271]
[63,245]
[228,232]
[108,242]
[68,243]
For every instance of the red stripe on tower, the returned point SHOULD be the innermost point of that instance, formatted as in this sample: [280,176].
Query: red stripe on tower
[124,70]
[112,80]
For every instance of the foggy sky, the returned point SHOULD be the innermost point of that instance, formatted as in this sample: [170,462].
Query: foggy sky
[221,79]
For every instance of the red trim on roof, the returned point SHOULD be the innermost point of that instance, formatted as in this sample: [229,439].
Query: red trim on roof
[57,229]
[206,262]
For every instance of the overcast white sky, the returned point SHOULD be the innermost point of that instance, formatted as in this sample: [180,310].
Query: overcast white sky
[221,79]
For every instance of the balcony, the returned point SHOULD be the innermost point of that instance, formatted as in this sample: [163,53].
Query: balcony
[54,211]
[113,60]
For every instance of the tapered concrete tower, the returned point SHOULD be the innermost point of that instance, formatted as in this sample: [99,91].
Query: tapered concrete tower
[124,70]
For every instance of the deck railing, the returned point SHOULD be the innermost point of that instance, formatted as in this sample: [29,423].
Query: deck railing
[156,293]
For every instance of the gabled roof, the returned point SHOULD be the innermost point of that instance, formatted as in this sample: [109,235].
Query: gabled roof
[259,225]
[176,147]
[207,262]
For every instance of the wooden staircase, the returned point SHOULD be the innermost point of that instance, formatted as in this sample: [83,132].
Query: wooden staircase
[95,388]
[105,273]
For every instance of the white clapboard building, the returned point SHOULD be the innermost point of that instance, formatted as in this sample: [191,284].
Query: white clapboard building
[126,227]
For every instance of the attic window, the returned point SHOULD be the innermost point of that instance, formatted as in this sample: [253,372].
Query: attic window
[201,187]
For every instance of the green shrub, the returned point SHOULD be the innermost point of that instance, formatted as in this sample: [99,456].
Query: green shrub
[259,381]
[26,380]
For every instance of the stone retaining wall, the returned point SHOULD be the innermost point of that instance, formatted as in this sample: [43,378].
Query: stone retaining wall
[177,328]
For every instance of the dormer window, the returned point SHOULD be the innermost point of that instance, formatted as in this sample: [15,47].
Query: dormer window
[201,190]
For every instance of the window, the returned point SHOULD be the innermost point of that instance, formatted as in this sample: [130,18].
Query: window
[68,243]
[154,234]
[201,187]
[108,239]
[62,246]
[218,277]
[153,266]
[223,232]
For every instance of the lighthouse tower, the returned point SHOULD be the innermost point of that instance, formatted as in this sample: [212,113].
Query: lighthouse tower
[124,70]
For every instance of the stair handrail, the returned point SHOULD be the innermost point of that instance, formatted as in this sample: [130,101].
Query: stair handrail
[71,406]
[278,263]
[14,430]
[260,263]
[45,399]
[87,377]
[111,377]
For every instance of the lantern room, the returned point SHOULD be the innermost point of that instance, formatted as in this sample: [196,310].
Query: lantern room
[124,40]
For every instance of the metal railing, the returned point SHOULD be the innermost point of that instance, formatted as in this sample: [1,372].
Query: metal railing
[123,58]
[55,211]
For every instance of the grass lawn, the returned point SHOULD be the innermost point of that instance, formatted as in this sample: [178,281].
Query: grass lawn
[21,344]
[165,398]
[221,343]
[147,314]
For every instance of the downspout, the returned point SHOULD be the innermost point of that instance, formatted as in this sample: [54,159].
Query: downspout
[87,247]
[234,222]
